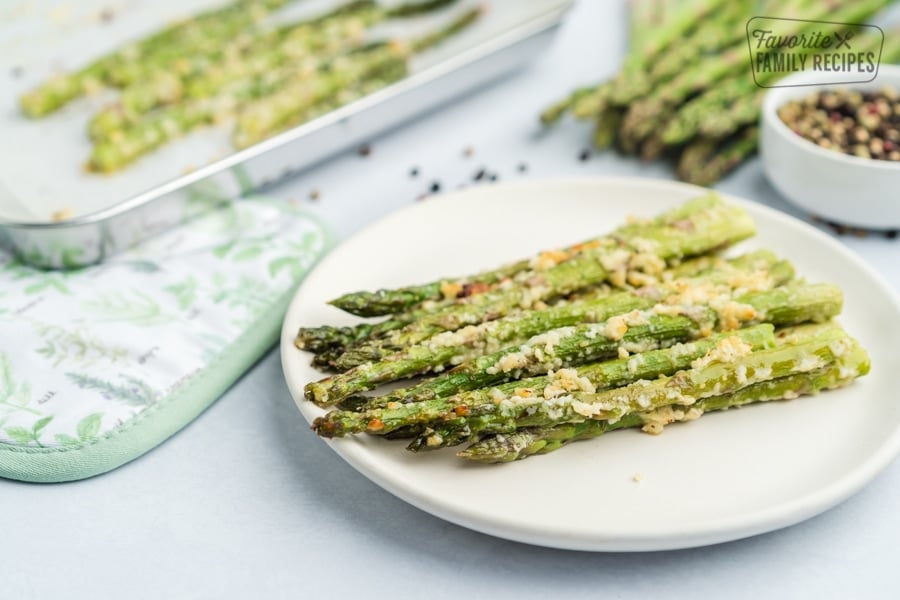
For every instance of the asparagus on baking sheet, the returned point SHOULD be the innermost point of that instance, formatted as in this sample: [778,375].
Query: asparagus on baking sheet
[238,61]
[249,56]
[220,23]
[269,115]
[265,100]
[124,146]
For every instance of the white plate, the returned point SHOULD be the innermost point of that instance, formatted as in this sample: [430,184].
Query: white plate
[723,477]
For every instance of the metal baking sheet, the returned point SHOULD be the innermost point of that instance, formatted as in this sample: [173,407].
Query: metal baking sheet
[41,172]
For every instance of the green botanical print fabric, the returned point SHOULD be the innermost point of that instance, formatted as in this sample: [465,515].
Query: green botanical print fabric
[85,352]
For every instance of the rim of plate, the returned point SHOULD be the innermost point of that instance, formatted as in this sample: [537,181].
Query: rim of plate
[714,531]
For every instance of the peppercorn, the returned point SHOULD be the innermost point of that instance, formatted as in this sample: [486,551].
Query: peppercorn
[862,124]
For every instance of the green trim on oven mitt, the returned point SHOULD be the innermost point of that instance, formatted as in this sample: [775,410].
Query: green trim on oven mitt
[100,365]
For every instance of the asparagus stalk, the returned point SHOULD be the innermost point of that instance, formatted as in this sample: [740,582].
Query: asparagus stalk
[585,102]
[782,306]
[388,301]
[555,111]
[508,363]
[437,36]
[743,111]
[272,114]
[204,75]
[760,270]
[721,111]
[730,367]
[763,270]
[608,121]
[727,157]
[721,30]
[621,266]
[695,156]
[621,263]
[668,322]
[530,441]
[386,76]
[489,370]
[336,340]
[600,375]
[131,143]
[263,118]
[327,337]
[249,56]
[649,114]
[222,22]
[686,123]
[591,106]
[632,82]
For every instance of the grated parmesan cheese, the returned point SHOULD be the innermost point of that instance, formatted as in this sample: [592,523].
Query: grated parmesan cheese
[727,350]
[810,362]
[616,327]
[549,259]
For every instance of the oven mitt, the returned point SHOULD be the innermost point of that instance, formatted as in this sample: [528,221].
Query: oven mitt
[99,365]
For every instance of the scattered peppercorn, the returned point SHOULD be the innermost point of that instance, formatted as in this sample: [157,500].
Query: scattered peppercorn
[493,177]
[862,124]
[107,15]
[365,150]
[859,232]
[314,194]
[479,174]
[435,187]
[584,155]
[522,167]
[468,151]
[414,172]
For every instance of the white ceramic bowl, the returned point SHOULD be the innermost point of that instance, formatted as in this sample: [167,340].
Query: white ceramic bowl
[842,188]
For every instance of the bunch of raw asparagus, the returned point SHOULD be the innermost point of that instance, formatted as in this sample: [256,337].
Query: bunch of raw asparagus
[237,63]
[642,327]
[686,90]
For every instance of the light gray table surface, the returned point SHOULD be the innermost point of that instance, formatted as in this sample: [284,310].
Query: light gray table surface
[246,502]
